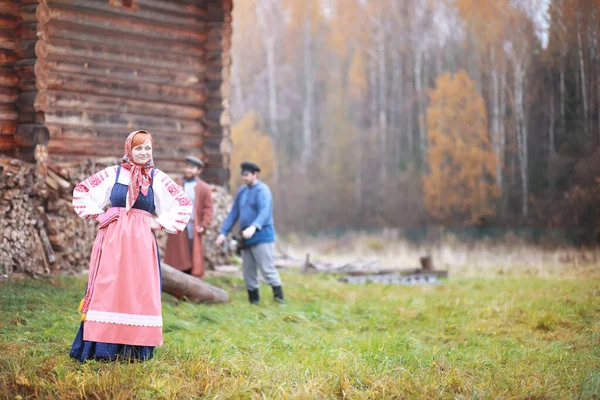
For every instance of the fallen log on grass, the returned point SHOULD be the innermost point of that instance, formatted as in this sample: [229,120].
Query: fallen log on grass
[184,286]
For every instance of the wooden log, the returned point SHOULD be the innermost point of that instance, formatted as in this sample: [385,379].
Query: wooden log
[8,112]
[27,84]
[194,9]
[117,23]
[426,263]
[48,250]
[140,13]
[27,12]
[126,121]
[7,143]
[8,21]
[121,88]
[59,181]
[25,69]
[27,31]
[57,49]
[126,72]
[163,147]
[31,117]
[31,135]
[26,48]
[103,148]
[216,175]
[65,132]
[9,7]
[7,57]
[69,31]
[8,39]
[8,127]
[8,95]
[182,285]
[57,100]
[8,77]
[25,102]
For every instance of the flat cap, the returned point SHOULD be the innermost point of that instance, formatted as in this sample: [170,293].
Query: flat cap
[250,167]
[194,161]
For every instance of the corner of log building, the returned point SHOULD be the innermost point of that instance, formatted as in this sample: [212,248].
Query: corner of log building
[77,77]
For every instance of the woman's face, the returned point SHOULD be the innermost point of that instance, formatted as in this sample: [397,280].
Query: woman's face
[142,153]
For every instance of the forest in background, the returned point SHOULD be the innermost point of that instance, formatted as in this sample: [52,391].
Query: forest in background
[409,113]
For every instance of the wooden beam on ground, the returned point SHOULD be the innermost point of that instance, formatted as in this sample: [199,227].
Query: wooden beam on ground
[193,289]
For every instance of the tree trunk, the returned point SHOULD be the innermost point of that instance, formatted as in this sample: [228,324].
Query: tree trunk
[419,89]
[381,89]
[583,81]
[307,110]
[182,285]
[496,118]
[521,123]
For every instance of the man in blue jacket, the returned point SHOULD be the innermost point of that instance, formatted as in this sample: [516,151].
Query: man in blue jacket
[253,207]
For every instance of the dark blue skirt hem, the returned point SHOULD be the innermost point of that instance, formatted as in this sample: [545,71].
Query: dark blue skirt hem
[84,350]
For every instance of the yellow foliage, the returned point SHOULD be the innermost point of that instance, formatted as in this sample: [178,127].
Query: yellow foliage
[460,184]
[357,76]
[250,144]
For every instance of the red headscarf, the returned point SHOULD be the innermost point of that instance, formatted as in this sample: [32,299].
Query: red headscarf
[140,174]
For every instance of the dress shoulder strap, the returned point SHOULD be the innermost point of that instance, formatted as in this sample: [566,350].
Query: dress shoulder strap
[152,173]
[118,172]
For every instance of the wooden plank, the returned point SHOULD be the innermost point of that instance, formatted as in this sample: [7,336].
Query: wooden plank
[56,49]
[81,150]
[67,30]
[141,14]
[8,39]
[26,48]
[175,7]
[117,137]
[59,100]
[7,57]
[90,133]
[8,127]
[9,7]
[8,95]
[121,88]
[194,289]
[8,112]
[8,21]
[80,66]
[117,23]
[7,143]
[125,121]
[29,135]
[27,31]
[8,77]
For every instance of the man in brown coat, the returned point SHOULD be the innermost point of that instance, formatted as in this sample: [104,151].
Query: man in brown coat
[185,250]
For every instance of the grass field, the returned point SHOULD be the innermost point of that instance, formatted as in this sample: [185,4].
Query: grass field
[503,337]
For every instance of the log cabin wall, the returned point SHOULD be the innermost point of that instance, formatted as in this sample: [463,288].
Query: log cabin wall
[91,71]
[9,12]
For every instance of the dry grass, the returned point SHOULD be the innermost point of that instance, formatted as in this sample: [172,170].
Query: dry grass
[486,258]
[510,338]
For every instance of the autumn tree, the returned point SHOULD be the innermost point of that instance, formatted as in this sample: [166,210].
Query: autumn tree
[460,185]
[250,144]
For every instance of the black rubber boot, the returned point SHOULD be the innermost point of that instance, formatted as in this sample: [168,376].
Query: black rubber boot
[278,294]
[253,296]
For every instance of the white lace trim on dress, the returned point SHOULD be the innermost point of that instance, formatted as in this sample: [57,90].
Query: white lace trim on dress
[124,319]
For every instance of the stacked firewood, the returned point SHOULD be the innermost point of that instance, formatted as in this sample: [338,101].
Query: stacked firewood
[39,231]
[218,255]
[21,232]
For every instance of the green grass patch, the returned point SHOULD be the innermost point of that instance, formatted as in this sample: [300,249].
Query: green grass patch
[495,338]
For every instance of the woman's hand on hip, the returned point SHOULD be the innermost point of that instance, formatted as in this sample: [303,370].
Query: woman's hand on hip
[154,225]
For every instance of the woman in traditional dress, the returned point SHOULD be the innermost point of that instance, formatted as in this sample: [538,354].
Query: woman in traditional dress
[121,310]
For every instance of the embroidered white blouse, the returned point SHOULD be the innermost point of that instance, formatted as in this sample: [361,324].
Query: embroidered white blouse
[173,206]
